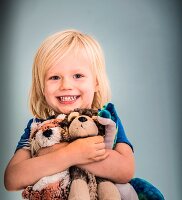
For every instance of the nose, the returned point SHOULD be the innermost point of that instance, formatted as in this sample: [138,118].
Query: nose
[66,84]
[82,119]
[47,133]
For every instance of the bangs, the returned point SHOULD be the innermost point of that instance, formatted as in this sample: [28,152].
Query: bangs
[58,47]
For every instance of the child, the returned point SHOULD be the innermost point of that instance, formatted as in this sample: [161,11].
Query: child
[68,73]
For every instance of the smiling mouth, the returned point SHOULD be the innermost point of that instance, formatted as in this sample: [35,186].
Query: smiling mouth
[68,98]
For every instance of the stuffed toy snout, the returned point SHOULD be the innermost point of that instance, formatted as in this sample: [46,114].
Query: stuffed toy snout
[83,126]
[49,137]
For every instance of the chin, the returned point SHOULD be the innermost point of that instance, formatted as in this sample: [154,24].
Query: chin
[67,110]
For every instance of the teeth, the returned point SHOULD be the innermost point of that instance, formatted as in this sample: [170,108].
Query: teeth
[67,98]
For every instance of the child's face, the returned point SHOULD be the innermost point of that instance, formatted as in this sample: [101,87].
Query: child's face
[70,84]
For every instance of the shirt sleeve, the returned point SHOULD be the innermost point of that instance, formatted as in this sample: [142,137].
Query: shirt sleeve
[24,140]
[121,136]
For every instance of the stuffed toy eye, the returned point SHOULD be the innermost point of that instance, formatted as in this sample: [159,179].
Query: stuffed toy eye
[82,119]
[47,133]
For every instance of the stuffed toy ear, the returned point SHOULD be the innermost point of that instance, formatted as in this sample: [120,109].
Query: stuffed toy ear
[34,147]
[61,116]
[34,128]
[72,115]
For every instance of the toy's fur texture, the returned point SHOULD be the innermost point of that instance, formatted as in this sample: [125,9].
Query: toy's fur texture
[56,186]
[74,183]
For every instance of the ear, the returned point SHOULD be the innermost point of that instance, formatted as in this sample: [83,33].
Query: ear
[72,115]
[95,118]
[61,116]
[34,147]
[34,128]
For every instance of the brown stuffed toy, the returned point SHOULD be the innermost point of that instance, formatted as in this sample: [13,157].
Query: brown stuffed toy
[74,183]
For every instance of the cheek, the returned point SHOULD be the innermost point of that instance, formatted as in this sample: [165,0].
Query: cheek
[49,88]
[88,90]
[48,94]
[89,95]
[91,85]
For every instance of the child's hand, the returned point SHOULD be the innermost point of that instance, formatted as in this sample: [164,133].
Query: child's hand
[50,149]
[87,150]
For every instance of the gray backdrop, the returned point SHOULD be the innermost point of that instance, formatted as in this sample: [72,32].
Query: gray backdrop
[142,44]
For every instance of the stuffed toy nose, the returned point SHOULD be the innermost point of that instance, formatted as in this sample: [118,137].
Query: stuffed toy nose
[82,119]
[47,133]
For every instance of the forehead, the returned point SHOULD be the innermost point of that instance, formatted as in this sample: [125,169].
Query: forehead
[73,60]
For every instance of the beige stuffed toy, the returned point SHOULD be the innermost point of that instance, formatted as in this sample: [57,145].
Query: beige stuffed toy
[74,183]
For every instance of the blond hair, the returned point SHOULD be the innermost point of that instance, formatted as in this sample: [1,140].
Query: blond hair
[51,51]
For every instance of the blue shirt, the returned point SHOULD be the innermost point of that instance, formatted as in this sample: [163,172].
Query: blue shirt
[24,140]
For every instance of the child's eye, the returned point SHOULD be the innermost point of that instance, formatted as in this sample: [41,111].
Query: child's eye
[54,78]
[78,76]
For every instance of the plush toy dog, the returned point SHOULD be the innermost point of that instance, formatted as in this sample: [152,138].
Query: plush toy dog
[85,123]
[74,183]
[46,134]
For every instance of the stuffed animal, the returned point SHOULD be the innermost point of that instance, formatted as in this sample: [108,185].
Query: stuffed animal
[46,134]
[137,188]
[81,183]
[85,123]
[84,185]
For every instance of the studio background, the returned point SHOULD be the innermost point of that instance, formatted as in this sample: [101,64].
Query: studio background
[142,45]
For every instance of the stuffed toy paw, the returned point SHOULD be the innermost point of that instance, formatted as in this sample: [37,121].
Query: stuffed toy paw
[108,117]
[145,190]
[110,131]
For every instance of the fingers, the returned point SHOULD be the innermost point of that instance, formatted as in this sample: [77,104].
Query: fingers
[100,146]
[99,158]
[100,154]
[97,139]
[87,150]
[99,150]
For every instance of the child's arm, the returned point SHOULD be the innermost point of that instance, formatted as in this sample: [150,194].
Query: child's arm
[23,170]
[118,166]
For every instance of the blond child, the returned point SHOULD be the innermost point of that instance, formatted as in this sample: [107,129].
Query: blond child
[68,73]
